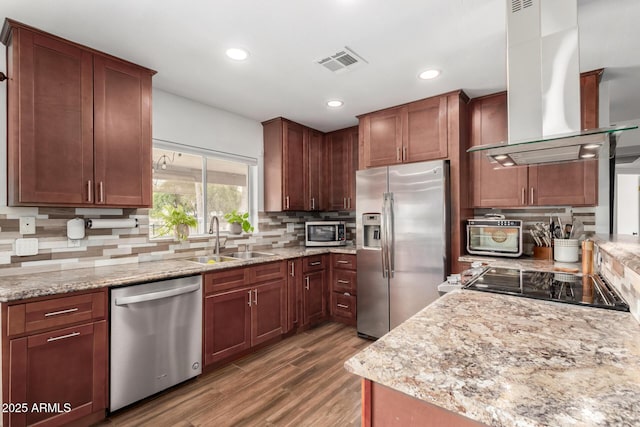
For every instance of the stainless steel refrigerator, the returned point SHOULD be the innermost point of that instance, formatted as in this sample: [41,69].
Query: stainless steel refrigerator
[402,239]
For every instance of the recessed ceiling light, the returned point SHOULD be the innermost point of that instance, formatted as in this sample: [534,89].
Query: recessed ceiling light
[587,155]
[507,164]
[591,146]
[429,74]
[237,54]
[335,103]
[500,157]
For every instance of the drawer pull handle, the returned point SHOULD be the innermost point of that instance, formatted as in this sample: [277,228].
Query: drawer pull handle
[315,263]
[56,313]
[341,261]
[61,337]
[343,306]
[344,282]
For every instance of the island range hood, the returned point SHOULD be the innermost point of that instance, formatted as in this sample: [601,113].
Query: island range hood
[543,89]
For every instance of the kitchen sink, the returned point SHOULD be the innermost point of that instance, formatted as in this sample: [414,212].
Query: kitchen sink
[211,259]
[249,255]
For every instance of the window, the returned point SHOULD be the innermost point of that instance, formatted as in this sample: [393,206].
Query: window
[204,183]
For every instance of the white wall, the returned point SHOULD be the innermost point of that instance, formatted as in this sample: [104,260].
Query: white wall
[627,204]
[184,121]
[175,119]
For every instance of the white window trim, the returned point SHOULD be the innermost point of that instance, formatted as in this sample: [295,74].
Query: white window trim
[252,162]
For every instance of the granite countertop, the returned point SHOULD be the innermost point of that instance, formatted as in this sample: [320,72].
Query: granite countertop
[625,249]
[510,361]
[27,285]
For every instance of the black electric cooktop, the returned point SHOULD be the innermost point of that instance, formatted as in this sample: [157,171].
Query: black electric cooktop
[588,290]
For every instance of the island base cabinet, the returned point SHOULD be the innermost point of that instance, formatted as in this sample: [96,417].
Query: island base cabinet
[60,376]
[382,406]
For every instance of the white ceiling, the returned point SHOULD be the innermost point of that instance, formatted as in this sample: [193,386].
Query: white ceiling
[185,42]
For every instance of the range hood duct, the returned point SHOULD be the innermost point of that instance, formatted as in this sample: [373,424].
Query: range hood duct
[543,87]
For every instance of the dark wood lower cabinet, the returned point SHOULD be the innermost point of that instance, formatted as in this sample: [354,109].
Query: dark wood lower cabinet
[268,311]
[249,309]
[313,297]
[60,375]
[227,324]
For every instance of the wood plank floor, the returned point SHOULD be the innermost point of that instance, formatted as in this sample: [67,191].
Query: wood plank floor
[299,381]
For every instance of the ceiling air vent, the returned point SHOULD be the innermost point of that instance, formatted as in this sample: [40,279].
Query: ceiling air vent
[341,61]
[518,5]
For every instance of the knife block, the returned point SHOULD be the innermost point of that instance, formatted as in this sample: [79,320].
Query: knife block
[543,252]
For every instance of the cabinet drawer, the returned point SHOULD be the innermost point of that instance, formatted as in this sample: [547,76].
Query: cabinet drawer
[56,312]
[344,281]
[224,280]
[344,261]
[313,263]
[269,271]
[343,305]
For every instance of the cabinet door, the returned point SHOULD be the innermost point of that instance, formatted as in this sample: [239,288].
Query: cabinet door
[574,184]
[65,366]
[338,169]
[268,317]
[314,297]
[353,167]
[294,167]
[122,135]
[493,186]
[425,136]
[313,155]
[382,138]
[227,324]
[50,122]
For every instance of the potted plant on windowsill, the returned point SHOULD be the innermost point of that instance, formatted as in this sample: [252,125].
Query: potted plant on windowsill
[239,222]
[175,219]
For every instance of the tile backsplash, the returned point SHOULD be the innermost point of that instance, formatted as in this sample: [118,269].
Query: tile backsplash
[530,215]
[132,245]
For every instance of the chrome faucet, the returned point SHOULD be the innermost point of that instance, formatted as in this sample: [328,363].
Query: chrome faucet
[214,218]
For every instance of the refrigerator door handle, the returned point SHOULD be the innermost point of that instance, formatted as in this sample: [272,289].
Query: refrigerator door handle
[383,236]
[391,236]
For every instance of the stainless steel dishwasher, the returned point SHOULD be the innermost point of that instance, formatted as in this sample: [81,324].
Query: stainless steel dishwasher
[156,337]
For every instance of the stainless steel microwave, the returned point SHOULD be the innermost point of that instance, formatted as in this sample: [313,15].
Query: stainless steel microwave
[497,237]
[325,233]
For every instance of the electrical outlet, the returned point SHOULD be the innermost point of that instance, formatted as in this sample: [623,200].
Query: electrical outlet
[26,247]
[73,243]
[27,225]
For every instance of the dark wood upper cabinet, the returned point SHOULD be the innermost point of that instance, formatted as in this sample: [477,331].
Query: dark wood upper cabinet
[573,183]
[122,141]
[343,162]
[79,124]
[313,147]
[425,135]
[382,138]
[414,132]
[493,186]
[284,166]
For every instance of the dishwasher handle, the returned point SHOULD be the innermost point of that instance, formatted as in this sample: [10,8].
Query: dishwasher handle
[152,296]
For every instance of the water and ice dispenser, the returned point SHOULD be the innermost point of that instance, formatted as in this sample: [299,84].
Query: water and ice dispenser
[371,230]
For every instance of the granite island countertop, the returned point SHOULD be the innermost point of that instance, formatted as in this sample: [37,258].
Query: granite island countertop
[509,361]
[30,285]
